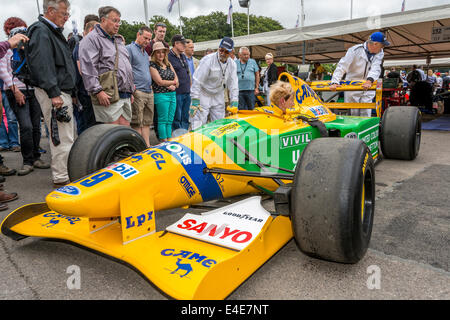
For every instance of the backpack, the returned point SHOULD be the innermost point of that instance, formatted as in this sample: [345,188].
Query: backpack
[19,65]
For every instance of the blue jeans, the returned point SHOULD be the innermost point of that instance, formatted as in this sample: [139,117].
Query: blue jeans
[181,119]
[10,138]
[247,100]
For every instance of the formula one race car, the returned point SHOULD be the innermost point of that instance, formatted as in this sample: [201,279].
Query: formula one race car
[317,166]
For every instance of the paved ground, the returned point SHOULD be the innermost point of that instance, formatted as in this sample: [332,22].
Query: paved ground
[409,247]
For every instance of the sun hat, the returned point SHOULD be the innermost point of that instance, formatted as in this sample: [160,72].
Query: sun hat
[159,46]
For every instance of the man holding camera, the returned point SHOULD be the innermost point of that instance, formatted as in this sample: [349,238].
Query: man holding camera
[53,75]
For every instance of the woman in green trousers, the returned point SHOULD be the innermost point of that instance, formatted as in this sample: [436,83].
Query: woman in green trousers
[164,83]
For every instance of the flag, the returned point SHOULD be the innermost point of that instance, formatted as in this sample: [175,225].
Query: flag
[172,2]
[230,13]
[298,21]
[403,5]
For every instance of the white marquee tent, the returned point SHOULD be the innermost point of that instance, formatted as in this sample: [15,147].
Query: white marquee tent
[416,34]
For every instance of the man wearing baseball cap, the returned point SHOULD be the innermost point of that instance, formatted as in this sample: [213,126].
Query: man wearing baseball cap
[215,73]
[361,62]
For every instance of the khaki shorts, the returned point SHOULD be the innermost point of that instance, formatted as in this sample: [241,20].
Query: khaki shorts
[142,109]
[113,112]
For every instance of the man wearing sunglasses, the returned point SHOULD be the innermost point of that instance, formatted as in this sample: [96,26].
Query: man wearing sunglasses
[215,73]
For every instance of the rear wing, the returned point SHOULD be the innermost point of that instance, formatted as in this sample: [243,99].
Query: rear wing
[353,85]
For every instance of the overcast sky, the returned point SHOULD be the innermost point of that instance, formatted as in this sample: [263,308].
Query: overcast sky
[285,11]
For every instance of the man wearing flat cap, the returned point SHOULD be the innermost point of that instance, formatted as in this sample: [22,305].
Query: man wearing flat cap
[362,61]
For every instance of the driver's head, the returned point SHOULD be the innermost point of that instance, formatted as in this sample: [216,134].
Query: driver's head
[282,95]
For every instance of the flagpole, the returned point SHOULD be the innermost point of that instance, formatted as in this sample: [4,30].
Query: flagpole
[232,28]
[146,12]
[248,18]
[39,10]
[351,9]
[179,14]
[302,24]
[302,14]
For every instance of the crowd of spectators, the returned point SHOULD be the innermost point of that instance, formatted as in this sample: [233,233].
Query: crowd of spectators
[425,89]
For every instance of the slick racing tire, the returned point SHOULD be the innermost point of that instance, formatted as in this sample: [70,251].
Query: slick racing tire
[400,133]
[333,200]
[101,145]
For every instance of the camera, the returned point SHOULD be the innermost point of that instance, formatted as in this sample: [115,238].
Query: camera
[15,31]
[62,115]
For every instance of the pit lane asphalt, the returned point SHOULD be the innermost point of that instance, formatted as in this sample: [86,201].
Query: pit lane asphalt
[409,246]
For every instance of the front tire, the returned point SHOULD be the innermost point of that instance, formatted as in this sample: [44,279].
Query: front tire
[333,200]
[101,145]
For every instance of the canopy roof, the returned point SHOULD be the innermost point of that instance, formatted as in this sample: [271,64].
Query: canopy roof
[415,34]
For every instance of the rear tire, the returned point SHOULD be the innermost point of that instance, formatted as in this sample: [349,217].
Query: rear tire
[333,200]
[101,145]
[400,133]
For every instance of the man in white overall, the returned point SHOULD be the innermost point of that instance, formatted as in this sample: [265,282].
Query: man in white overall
[215,73]
[362,61]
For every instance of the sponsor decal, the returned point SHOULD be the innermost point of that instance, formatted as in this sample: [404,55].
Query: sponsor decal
[343,83]
[182,155]
[295,156]
[242,216]
[226,129]
[295,140]
[189,255]
[365,162]
[70,190]
[220,181]
[124,170]
[187,185]
[95,179]
[155,155]
[232,226]
[370,137]
[194,165]
[304,92]
[131,222]
[55,218]
[318,110]
[351,135]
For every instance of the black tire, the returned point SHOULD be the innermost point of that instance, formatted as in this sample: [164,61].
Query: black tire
[101,145]
[333,200]
[400,133]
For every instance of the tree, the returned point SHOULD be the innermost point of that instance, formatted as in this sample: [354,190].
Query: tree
[214,26]
[129,30]
[203,28]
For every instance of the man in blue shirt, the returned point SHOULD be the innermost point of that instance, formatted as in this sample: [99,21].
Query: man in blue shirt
[248,78]
[143,104]
[192,61]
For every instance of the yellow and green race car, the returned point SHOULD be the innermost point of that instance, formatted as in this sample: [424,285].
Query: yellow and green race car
[317,166]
